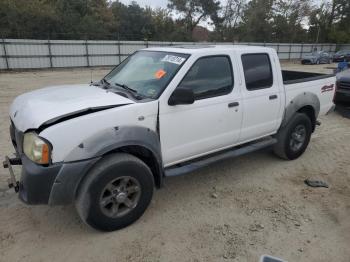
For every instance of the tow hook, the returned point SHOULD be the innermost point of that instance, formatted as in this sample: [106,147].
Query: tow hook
[11,181]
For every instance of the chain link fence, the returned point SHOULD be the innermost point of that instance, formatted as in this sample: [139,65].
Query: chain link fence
[19,54]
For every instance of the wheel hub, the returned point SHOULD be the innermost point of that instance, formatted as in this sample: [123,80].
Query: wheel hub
[298,137]
[120,196]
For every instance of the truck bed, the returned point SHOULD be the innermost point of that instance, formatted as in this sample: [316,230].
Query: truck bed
[322,85]
[293,77]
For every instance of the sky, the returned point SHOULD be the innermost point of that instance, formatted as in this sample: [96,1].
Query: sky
[163,3]
[153,3]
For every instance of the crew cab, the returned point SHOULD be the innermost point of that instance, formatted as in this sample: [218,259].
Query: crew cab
[162,112]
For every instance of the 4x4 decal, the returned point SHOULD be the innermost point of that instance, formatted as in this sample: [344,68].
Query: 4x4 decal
[327,88]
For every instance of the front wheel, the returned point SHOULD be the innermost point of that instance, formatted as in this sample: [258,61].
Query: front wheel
[115,193]
[294,138]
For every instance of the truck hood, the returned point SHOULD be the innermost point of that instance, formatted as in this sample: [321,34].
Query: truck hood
[49,105]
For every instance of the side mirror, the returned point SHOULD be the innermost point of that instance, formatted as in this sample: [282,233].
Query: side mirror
[181,96]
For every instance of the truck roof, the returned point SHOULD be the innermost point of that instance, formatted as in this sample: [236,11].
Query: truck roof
[192,49]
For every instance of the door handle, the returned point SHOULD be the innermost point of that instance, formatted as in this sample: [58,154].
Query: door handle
[233,104]
[271,97]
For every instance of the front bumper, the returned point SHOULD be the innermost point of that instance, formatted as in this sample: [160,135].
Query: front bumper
[36,181]
[54,185]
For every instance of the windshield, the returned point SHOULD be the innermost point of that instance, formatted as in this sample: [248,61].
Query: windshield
[147,73]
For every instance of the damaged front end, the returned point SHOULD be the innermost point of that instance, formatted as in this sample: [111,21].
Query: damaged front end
[29,168]
[37,180]
[8,163]
[16,160]
[35,111]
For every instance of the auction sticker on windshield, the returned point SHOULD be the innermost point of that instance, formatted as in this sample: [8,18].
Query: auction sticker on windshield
[160,73]
[173,59]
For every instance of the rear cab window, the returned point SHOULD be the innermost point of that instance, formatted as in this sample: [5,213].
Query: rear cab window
[257,71]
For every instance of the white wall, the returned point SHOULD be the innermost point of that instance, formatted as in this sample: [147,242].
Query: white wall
[28,54]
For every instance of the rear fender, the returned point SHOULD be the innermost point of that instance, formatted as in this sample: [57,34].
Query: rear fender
[300,101]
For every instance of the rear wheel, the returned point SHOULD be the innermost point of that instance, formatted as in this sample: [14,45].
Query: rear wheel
[294,138]
[115,193]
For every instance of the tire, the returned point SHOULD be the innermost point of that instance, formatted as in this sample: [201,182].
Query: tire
[115,193]
[298,125]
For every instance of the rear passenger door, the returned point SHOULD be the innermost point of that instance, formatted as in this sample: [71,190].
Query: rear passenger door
[261,96]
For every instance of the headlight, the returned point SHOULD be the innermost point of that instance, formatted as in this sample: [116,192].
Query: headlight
[35,148]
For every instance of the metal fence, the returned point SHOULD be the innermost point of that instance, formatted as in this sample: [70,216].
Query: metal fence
[31,54]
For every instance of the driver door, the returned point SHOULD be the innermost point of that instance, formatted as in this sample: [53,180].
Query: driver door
[212,122]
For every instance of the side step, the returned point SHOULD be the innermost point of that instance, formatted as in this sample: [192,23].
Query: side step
[235,152]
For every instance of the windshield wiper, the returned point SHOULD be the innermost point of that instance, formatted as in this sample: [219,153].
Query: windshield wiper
[131,90]
[126,87]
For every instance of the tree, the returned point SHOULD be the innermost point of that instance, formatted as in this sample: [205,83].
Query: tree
[288,18]
[26,19]
[242,20]
[86,18]
[256,22]
[338,21]
[227,20]
[133,21]
[194,11]
[165,28]
[330,22]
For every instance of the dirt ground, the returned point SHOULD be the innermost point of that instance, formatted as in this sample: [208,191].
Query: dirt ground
[235,210]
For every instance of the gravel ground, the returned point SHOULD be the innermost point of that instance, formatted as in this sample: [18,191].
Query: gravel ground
[234,210]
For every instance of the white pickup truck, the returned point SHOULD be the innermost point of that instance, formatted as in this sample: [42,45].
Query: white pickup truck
[162,112]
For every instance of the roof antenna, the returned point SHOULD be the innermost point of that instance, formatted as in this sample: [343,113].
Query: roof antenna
[91,77]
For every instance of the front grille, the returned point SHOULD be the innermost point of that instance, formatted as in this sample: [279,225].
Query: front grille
[344,85]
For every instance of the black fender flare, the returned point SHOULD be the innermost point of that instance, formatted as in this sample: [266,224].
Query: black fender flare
[300,101]
[110,139]
[89,151]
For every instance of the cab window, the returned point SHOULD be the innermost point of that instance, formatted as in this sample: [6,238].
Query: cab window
[257,71]
[209,77]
